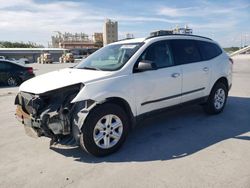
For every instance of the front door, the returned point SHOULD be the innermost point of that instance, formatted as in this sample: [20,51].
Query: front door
[160,88]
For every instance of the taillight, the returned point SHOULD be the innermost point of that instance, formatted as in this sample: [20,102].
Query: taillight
[231,60]
[30,70]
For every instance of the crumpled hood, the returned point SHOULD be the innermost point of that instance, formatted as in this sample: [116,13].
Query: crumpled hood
[61,78]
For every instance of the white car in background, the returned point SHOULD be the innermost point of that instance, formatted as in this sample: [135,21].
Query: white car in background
[23,60]
[99,100]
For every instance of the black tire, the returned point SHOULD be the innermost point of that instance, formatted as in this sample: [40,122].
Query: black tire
[13,81]
[87,137]
[210,106]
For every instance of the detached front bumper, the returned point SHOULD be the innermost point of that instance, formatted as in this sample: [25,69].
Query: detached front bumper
[34,128]
[26,120]
[51,114]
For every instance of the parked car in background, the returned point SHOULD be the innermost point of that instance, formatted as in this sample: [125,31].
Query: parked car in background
[23,60]
[79,57]
[13,74]
[12,59]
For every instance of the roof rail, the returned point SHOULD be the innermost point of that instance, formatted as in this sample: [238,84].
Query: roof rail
[161,35]
[124,39]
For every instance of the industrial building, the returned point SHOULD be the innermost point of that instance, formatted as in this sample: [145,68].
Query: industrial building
[82,40]
[72,40]
[110,32]
[31,53]
[98,37]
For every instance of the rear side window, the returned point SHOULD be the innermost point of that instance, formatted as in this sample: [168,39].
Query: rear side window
[185,51]
[5,66]
[209,50]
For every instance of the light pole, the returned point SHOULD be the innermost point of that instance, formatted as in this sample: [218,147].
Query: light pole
[241,41]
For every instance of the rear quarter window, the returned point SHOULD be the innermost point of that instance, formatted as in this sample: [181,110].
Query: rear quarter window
[209,50]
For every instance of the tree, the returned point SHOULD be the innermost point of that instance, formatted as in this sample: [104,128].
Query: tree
[8,44]
[231,49]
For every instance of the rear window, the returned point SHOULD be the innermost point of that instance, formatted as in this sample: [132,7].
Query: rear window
[185,51]
[4,65]
[209,50]
[8,65]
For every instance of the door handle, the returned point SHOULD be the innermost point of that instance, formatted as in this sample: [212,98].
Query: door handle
[175,75]
[205,69]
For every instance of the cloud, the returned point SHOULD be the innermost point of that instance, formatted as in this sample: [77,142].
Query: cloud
[41,19]
[202,10]
[175,12]
[29,20]
[193,11]
[213,25]
[208,15]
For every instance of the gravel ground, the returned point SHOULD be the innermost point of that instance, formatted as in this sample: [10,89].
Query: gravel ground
[182,148]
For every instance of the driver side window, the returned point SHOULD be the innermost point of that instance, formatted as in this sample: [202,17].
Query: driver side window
[158,53]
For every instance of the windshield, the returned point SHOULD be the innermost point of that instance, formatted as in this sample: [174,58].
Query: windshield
[110,58]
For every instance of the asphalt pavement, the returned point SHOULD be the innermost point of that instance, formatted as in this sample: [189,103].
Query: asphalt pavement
[182,148]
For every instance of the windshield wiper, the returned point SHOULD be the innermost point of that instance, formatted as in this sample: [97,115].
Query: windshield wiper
[91,68]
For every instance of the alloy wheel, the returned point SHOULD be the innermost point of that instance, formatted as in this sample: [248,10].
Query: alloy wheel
[219,98]
[108,131]
[12,81]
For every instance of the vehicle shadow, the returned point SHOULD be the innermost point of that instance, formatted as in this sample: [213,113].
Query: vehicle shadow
[2,86]
[177,134]
[5,85]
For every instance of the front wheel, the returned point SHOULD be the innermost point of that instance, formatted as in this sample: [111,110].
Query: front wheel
[217,99]
[105,130]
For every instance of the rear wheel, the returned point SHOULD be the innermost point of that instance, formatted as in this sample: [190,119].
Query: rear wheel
[217,99]
[105,130]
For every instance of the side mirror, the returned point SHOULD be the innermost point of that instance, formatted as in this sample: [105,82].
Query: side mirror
[146,65]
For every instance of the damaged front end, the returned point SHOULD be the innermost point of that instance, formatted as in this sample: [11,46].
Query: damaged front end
[52,114]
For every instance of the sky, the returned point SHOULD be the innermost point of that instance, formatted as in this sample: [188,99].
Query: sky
[226,21]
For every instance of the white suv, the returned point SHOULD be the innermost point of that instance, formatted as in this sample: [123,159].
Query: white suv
[99,100]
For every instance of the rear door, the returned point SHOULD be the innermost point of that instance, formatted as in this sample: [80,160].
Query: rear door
[196,72]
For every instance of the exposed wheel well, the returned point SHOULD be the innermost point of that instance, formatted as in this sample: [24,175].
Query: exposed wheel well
[124,104]
[222,80]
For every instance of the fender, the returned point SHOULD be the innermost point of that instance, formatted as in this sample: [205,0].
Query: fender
[99,91]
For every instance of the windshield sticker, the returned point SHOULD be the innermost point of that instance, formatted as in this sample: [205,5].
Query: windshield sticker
[128,46]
